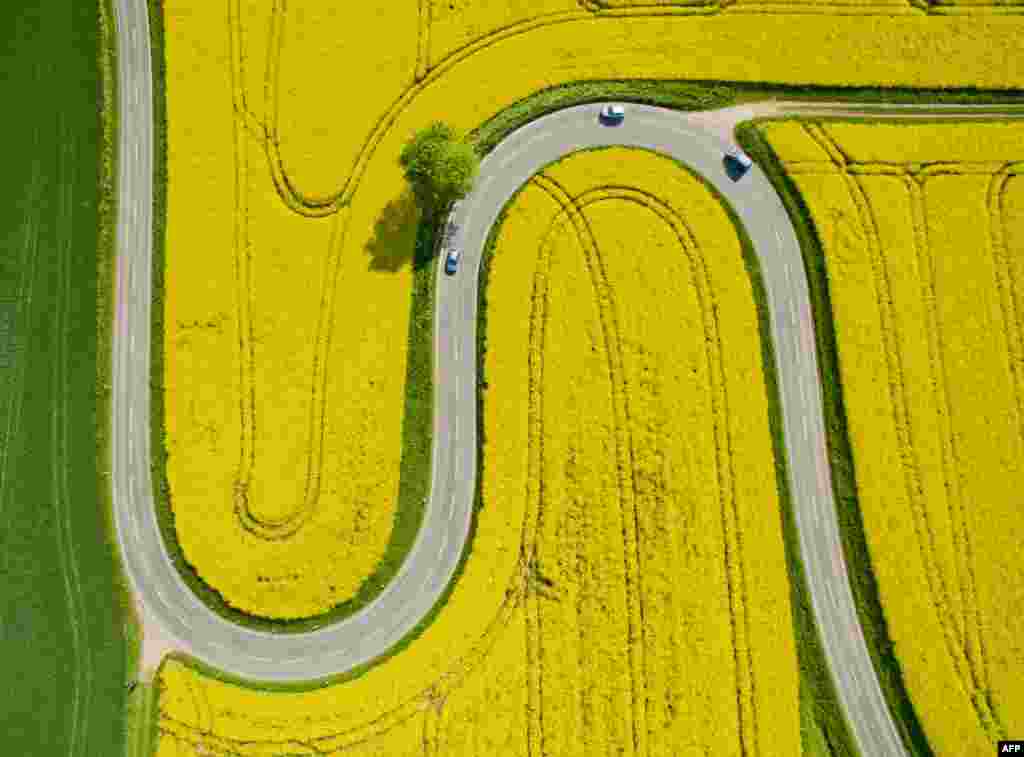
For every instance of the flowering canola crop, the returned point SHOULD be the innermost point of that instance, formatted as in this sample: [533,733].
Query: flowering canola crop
[283,401]
[922,228]
[627,591]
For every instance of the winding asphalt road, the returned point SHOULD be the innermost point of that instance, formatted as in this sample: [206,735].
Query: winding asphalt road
[694,139]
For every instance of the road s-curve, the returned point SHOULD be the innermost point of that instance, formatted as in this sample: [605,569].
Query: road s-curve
[696,140]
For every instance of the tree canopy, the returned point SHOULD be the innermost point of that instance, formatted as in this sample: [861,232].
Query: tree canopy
[439,165]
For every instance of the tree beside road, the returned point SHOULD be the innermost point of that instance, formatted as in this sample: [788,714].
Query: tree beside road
[440,166]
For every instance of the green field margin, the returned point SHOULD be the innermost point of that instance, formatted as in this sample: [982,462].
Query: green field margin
[844,483]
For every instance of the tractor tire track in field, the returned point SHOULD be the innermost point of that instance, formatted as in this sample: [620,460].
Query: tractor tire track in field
[1010,306]
[427,72]
[937,372]
[732,532]
[201,735]
[81,678]
[423,40]
[573,208]
[318,207]
[13,346]
[623,441]
[537,341]
[954,637]
[255,523]
[974,643]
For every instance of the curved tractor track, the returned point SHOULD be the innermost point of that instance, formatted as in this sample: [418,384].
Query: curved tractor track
[173,613]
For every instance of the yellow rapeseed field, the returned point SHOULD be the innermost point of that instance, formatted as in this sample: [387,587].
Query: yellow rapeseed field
[656,623]
[923,235]
[287,288]
[283,410]
[627,591]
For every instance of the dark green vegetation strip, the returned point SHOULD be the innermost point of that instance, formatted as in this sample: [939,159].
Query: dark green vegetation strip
[681,95]
[844,483]
[749,92]
[63,647]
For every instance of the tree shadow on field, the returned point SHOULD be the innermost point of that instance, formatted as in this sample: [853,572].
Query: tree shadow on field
[393,244]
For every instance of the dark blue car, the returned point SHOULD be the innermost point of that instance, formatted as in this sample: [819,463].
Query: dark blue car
[737,163]
[451,262]
[612,114]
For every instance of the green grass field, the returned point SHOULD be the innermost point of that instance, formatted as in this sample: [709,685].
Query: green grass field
[63,650]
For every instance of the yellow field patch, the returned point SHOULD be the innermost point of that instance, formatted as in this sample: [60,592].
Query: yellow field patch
[922,234]
[262,436]
[627,589]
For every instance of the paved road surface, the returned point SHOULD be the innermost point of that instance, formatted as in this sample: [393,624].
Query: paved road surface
[697,140]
